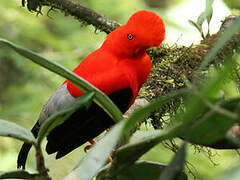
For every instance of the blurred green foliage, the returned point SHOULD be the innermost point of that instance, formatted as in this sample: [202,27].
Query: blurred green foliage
[233,4]
[67,42]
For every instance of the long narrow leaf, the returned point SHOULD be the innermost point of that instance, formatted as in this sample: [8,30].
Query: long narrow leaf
[129,153]
[176,166]
[203,131]
[201,19]
[199,28]
[9,129]
[100,98]
[196,106]
[96,158]
[209,10]
[141,170]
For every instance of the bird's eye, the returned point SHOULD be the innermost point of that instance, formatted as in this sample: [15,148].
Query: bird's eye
[130,36]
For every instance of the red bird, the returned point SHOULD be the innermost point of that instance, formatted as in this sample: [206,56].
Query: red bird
[118,68]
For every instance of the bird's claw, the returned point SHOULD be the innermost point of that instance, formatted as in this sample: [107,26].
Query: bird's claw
[92,142]
[138,124]
[110,159]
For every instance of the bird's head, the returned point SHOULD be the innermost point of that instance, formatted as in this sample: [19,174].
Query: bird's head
[143,30]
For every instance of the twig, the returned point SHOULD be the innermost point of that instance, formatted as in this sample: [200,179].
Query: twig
[43,171]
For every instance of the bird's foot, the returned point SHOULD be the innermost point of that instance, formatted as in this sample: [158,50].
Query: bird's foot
[108,129]
[125,116]
[138,124]
[92,142]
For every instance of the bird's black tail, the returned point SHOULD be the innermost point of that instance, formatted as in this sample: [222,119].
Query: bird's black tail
[22,156]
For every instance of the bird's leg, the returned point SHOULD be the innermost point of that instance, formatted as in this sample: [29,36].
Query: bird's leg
[92,142]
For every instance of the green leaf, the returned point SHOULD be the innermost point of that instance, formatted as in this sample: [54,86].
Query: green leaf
[58,118]
[214,124]
[196,105]
[141,170]
[201,19]
[232,142]
[9,129]
[100,98]
[209,10]
[97,157]
[205,15]
[232,4]
[18,174]
[199,28]
[126,155]
[176,166]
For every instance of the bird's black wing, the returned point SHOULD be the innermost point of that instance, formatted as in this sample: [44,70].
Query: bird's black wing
[84,125]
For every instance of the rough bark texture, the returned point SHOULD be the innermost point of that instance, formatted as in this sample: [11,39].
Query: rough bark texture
[70,7]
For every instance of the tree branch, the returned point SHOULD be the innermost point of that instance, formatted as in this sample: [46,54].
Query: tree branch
[74,9]
[43,171]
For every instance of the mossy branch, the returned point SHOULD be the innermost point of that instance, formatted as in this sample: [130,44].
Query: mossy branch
[70,7]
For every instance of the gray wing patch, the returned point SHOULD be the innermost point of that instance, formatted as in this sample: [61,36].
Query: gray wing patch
[56,102]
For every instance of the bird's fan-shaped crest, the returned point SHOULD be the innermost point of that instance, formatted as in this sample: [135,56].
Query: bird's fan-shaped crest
[149,24]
